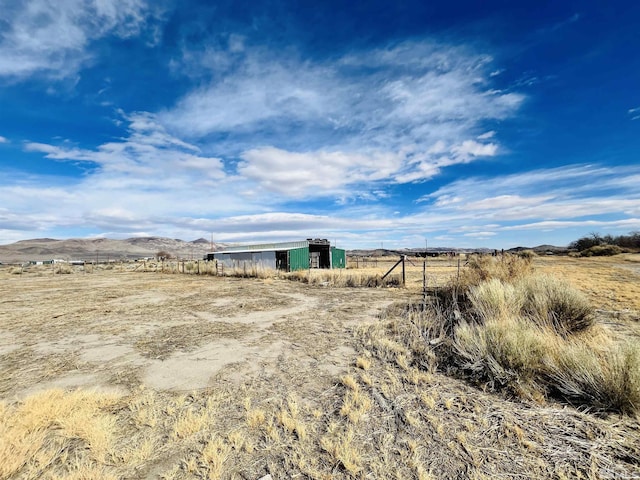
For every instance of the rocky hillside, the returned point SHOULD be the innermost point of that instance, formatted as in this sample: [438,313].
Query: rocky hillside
[103,249]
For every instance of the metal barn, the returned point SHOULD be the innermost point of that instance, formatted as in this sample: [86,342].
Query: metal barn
[288,256]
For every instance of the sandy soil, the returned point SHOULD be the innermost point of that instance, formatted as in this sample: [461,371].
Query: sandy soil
[118,330]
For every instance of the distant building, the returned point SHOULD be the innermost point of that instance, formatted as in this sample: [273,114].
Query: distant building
[287,256]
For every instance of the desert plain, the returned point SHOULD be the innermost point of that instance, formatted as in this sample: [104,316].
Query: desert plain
[123,372]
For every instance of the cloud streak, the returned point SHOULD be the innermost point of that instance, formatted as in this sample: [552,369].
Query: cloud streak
[53,38]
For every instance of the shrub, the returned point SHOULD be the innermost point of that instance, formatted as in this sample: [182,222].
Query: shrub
[63,268]
[495,299]
[483,267]
[506,352]
[549,301]
[608,380]
[534,336]
[601,251]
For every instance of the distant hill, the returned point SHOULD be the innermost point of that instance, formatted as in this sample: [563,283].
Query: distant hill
[542,249]
[103,249]
[379,252]
[419,252]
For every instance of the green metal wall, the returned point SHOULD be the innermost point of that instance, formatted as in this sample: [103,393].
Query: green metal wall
[298,259]
[338,258]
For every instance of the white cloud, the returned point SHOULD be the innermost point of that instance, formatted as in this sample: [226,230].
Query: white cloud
[314,173]
[148,151]
[418,103]
[138,183]
[628,224]
[569,193]
[507,202]
[635,113]
[487,135]
[480,234]
[53,37]
[3,140]
[471,148]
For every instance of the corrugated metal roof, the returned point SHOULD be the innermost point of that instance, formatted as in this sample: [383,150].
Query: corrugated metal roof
[262,247]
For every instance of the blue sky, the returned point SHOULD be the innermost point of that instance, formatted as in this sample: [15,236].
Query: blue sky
[469,124]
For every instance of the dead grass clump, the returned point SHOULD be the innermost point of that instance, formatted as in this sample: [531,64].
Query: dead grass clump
[63,268]
[50,427]
[251,271]
[550,301]
[607,380]
[343,278]
[480,268]
[340,442]
[534,336]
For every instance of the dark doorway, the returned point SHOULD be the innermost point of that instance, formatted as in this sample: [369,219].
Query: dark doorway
[282,260]
[320,255]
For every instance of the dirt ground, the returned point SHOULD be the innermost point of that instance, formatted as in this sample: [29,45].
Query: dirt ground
[119,330]
[297,389]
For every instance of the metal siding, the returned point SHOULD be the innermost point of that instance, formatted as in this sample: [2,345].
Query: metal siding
[240,259]
[299,259]
[265,259]
[266,246]
[338,258]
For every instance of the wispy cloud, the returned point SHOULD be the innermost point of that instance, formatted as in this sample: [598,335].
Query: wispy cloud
[3,140]
[306,129]
[39,36]
[569,193]
[487,135]
[146,152]
[634,113]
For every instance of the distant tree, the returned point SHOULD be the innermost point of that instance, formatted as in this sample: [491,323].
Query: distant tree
[595,239]
[163,255]
[584,243]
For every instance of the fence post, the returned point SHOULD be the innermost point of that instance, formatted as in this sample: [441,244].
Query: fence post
[404,257]
[424,284]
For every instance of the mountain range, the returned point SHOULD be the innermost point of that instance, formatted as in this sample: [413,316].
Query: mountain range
[104,249]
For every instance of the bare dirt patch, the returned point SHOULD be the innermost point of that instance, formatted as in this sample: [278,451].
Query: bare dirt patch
[95,323]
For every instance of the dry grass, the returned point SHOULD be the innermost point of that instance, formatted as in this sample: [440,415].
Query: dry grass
[48,430]
[344,278]
[534,335]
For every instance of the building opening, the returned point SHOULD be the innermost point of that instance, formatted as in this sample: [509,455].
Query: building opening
[319,254]
[282,260]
